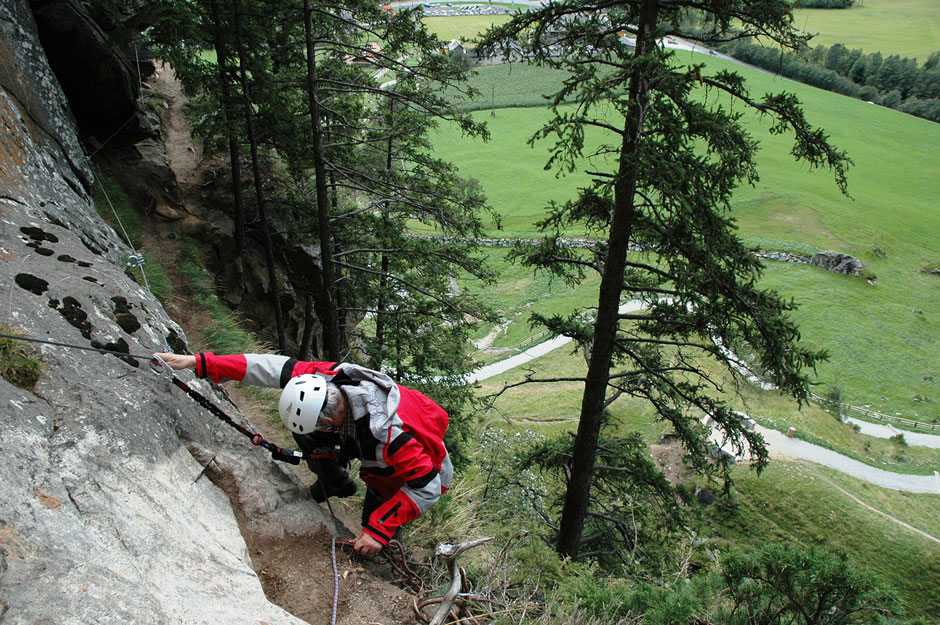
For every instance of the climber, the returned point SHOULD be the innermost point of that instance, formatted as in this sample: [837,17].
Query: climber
[396,432]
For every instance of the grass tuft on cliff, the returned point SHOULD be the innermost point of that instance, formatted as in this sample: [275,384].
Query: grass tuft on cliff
[20,364]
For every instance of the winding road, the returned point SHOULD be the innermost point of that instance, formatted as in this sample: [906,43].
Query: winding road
[777,443]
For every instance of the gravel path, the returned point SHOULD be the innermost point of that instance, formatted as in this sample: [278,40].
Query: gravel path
[777,443]
[878,430]
[782,445]
[532,353]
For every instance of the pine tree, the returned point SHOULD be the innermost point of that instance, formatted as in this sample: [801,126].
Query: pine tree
[373,172]
[342,98]
[234,30]
[675,151]
[835,57]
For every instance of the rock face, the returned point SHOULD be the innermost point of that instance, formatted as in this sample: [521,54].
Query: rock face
[838,262]
[100,78]
[107,514]
[244,278]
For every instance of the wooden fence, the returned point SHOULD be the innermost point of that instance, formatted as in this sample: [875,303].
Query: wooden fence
[871,414]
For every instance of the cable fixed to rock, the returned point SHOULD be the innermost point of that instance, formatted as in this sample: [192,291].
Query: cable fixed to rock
[17,337]
[160,367]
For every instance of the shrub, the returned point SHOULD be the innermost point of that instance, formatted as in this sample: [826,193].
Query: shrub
[781,583]
[893,99]
[833,403]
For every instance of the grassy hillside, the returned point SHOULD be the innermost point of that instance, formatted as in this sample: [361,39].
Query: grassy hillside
[884,344]
[515,295]
[882,337]
[811,505]
[512,173]
[790,501]
[905,27]
[549,407]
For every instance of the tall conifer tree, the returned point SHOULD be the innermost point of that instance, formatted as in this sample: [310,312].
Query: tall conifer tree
[675,150]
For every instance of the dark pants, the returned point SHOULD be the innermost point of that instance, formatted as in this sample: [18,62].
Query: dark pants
[331,472]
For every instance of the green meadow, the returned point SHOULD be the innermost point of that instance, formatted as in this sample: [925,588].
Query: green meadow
[448,28]
[812,505]
[790,500]
[906,27]
[554,408]
[882,337]
[515,295]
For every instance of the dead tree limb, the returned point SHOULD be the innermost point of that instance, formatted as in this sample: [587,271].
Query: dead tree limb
[449,553]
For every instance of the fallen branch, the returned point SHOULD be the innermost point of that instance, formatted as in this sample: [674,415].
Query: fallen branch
[449,553]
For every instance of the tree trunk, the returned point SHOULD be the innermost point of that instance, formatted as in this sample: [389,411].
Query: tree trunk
[578,493]
[342,317]
[256,173]
[306,341]
[326,297]
[221,52]
[382,307]
[382,313]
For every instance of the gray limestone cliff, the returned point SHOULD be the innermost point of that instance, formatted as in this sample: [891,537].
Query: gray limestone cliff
[106,513]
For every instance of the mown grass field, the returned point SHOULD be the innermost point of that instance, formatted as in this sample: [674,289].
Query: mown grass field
[906,27]
[449,27]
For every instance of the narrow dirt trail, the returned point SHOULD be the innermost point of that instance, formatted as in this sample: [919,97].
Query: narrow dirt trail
[183,154]
[885,514]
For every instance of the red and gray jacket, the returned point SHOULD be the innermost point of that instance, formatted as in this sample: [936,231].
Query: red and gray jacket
[400,430]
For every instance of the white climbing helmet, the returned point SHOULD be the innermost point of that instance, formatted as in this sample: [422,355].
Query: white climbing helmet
[301,402]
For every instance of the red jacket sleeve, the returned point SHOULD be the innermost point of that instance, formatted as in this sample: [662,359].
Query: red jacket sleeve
[258,369]
[221,368]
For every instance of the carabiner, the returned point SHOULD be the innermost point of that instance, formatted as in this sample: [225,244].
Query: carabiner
[160,366]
